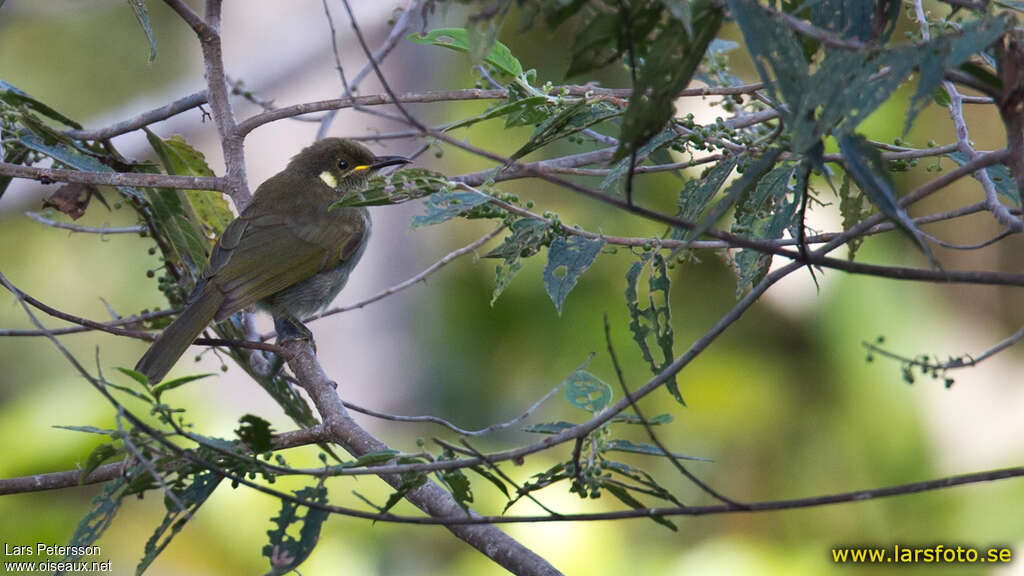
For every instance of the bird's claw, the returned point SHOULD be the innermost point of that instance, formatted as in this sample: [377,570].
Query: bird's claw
[290,329]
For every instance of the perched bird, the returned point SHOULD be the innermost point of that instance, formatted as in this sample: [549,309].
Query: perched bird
[285,253]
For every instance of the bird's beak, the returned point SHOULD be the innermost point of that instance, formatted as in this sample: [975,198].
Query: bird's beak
[385,161]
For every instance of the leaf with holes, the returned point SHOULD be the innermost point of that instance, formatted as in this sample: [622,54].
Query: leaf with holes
[653,321]
[285,551]
[587,392]
[568,258]
[764,214]
[526,239]
[396,188]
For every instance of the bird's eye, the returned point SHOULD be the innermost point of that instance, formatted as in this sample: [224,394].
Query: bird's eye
[342,165]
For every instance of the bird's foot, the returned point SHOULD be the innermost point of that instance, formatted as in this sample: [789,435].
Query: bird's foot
[290,329]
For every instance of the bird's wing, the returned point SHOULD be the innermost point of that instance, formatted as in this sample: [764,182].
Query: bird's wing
[257,256]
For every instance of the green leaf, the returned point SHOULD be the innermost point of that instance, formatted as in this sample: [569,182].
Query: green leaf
[101,454]
[256,433]
[621,169]
[91,430]
[371,458]
[854,207]
[698,192]
[397,187]
[514,110]
[101,513]
[568,258]
[587,392]
[601,40]
[864,163]
[628,418]
[444,206]
[752,174]
[526,238]
[549,427]
[14,154]
[648,449]
[142,15]
[410,482]
[949,51]
[134,375]
[457,39]
[71,157]
[208,208]
[626,498]
[1000,175]
[1012,4]
[654,319]
[847,18]
[459,487]
[284,551]
[765,214]
[175,383]
[493,479]
[668,67]
[13,96]
[192,497]
[571,119]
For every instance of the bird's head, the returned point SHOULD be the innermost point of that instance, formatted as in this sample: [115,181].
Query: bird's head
[341,164]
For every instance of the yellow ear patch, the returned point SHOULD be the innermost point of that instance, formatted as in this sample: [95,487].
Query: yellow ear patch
[361,168]
[329,179]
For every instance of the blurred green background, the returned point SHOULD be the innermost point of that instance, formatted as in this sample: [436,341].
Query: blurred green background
[784,403]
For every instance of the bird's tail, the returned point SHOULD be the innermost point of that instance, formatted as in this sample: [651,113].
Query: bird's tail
[176,338]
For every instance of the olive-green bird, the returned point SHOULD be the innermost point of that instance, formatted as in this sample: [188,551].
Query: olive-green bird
[285,252]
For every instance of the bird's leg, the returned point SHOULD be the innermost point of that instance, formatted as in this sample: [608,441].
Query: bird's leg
[289,328]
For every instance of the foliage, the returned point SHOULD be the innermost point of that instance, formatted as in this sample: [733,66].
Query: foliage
[826,67]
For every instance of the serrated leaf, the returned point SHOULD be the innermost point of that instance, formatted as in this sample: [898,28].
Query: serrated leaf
[209,209]
[621,168]
[142,15]
[853,207]
[459,486]
[256,433]
[626,498]
[648,449]
[568,258]
[396,187]
[668,66]
[12,95]
[71,157]
[177,382]
[765,214]
[284,551]
[752,174]
[410,481]
[571,119]
[548,427]
[101,513]
[457,39]
[1000,175]
[513,110]
[655,319]
[526,238]
[444,206]
[192,496]
[98,456]
[864,163]
[493,479]
[601,40]
[587,392]
[628,418]
[698,192]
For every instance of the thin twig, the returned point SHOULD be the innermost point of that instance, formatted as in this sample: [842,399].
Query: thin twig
[84,229]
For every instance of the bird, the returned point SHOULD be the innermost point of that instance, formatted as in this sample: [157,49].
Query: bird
[287,252]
